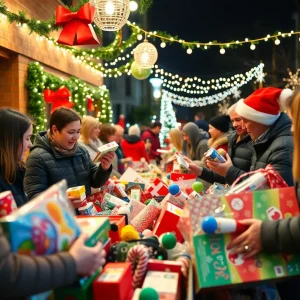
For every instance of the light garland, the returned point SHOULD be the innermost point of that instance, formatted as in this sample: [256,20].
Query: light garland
[293,81]
[167,117]
[196,85]
[166,38]
[38,80]
[193,102]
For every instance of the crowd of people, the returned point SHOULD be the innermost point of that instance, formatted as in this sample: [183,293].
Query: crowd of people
[255,133]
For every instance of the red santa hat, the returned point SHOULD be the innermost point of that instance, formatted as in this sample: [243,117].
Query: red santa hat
[263,106]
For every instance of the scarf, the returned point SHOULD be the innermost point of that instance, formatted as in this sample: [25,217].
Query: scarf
[59,148]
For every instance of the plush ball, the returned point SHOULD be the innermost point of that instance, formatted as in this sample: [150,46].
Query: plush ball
[168,240]
[149,294]
[198,186]
[138,72]
[174,189]
[128,233]
[147,233]
[124,210]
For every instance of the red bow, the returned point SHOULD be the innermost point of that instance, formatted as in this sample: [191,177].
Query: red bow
[58,98]
[274,179]
[90,105]
[77,26]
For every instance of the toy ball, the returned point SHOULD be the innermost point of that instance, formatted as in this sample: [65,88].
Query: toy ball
[149,294]
[168,240]
[174,189]
[124,210]
[128,233]
[147,233]
[209,225]
[197,186]
[169,176]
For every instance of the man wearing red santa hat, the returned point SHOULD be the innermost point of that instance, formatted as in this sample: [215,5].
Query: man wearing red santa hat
[269,129]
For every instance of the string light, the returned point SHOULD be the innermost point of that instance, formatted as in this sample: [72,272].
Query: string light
[196,85]
[193,102]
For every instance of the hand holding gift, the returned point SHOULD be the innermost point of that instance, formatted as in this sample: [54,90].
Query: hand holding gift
[106,160]
[218,167]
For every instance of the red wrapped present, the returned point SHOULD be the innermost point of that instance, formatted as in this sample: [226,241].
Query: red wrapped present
[98,199]
[158,188]
[182,179]
[7,203]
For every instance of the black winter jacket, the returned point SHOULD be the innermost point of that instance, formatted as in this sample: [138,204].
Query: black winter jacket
[45,167]
[17,188]
[240,154]
[276,149]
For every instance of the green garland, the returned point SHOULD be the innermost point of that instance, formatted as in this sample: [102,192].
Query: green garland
[39,80]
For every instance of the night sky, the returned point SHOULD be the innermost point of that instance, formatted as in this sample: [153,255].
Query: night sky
[223,21]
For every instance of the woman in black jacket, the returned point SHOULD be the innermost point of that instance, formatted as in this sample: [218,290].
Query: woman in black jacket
[22,276]
[56,155]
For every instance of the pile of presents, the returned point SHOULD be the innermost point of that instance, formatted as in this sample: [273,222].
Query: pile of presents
[152,231]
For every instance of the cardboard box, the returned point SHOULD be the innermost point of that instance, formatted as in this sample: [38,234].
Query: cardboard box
[183,180]
[110,147]
[120,222]
[165,283]
[220,268]
[96,227]
[77,192]
[115,282]
[167,221]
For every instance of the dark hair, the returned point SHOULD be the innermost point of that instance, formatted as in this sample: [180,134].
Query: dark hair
[13,125]
[155,124]
[62,116]
[106,130]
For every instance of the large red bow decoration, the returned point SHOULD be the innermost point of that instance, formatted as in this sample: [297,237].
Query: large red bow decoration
[58,98]
[274,179]
[77,26]
[90,105]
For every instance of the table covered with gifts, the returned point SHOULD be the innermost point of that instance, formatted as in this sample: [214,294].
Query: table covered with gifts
[165,237]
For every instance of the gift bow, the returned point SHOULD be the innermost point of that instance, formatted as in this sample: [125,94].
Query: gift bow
[58,98]
[77,26]
[274,179]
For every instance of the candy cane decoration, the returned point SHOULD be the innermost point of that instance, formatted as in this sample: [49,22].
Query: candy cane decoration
[141,254]
[185,264]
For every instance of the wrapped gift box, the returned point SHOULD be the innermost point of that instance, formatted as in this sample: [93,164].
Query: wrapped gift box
[158,188]
[220,268]
[115,282]
[7,203]
[167,221]
[182,179]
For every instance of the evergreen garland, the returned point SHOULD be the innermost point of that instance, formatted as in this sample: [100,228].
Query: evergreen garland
[38,81]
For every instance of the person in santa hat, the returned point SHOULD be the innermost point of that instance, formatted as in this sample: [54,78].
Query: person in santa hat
[269,129]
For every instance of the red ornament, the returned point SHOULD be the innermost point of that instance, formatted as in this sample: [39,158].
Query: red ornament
[58,98]
[77,26]
[90,104]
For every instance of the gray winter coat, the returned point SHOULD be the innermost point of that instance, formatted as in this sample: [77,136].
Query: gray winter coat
[276,149]
[240,154]
[23,276]
[45,167]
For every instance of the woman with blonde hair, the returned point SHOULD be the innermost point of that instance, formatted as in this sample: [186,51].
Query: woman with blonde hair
[90,130]
[176,139]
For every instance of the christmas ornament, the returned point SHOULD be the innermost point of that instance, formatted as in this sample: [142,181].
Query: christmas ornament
[59,98]
[145,54]
[77,26]
[138,72]
[111,15]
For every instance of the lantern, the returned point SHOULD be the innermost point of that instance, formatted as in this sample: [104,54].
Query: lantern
[145,54]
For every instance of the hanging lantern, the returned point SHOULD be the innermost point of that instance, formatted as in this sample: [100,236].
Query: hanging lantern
[111,15]
[138,72]
[145,54]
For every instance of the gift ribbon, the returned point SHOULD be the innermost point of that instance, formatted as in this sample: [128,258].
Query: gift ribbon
[77,26]
[271,175]
[58,98]
[90,104]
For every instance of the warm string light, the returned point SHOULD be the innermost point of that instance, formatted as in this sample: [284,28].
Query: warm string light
[293,81]
[205,45]
[193,102]
[198,86]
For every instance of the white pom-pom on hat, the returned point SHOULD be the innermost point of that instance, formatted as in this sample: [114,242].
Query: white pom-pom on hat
[285,97]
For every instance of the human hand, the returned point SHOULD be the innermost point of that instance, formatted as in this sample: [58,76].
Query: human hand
[106,160]
[220,168]
[128,159]
[249,242]
[193,167]
[76,202]
[87,259]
